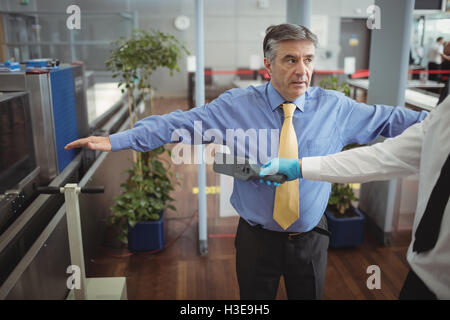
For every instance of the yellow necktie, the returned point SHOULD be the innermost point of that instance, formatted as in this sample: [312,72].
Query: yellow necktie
[285,210]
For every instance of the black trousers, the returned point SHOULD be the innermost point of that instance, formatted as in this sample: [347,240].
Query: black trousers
[415,289]
[262,256]
[433,76]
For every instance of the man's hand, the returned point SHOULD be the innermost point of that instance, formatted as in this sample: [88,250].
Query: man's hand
[289,167]
[92,142]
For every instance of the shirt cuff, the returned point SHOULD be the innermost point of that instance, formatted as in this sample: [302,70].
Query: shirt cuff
[311,168]
[120,141]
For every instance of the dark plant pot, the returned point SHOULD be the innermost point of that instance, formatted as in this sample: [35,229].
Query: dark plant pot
[346,232]
[147,235]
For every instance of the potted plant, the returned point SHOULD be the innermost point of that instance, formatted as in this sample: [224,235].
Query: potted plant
[138,211]
[345,221]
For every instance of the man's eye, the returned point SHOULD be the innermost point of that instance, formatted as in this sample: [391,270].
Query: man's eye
[291,60]
[308,60]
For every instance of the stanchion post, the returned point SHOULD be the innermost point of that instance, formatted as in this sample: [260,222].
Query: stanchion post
[71,191]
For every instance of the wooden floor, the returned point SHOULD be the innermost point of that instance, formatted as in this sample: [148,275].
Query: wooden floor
[179,272]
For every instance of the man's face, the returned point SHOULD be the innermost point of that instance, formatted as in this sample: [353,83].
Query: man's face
[447,48]
[292,67]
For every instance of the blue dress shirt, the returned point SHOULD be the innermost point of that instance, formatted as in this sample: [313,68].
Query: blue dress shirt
[325,121]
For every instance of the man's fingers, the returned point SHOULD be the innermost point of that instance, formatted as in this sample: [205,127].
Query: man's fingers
[77,143]
[265,171]
[269,168]
[273,169]
[94,143]
[276,184]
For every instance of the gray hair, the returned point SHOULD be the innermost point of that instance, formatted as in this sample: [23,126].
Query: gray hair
[282,32]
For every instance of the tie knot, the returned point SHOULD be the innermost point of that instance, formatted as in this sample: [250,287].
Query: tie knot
[288,109]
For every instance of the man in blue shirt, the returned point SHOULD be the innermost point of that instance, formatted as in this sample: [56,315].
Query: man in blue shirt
[324,122]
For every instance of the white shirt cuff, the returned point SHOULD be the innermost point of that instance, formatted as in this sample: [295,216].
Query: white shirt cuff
[311,168]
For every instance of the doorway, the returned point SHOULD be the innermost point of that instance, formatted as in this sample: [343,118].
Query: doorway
[355,42]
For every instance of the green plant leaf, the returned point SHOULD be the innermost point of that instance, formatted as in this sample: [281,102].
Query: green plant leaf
[154,216]
[132,222]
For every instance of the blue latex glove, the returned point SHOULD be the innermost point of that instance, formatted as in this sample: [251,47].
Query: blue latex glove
[289,167]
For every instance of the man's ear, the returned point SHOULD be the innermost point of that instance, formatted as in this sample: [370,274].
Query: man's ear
[268,66]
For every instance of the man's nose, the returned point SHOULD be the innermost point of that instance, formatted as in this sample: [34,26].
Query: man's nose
[300,69]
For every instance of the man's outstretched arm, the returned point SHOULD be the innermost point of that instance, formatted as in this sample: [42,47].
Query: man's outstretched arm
[158,130]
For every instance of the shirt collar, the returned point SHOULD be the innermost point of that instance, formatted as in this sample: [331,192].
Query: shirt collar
[275,99]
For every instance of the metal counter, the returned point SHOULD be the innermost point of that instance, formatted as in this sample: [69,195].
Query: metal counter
[34,250]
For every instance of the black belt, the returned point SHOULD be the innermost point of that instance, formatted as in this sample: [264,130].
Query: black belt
[290,235]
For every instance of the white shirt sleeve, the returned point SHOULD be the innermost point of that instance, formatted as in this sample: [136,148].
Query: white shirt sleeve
[399,156]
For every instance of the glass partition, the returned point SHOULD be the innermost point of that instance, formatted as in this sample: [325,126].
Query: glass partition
[31,35]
